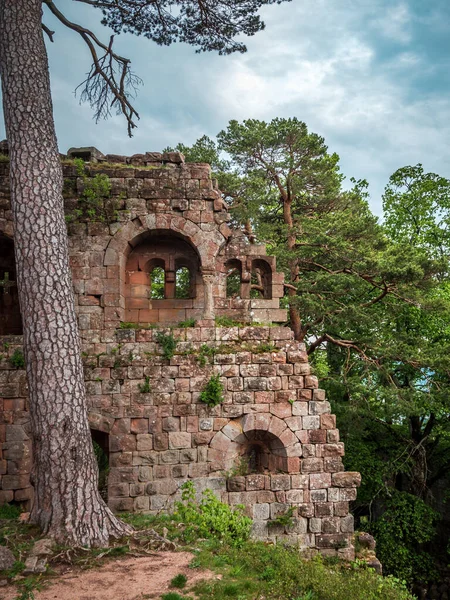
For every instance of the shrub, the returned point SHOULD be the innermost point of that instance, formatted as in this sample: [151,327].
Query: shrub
[179,581]
[212,518]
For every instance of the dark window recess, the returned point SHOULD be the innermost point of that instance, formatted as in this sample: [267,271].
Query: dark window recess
[100,441]
[10,317]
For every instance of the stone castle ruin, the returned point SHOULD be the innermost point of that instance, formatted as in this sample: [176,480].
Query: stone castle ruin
[154,263]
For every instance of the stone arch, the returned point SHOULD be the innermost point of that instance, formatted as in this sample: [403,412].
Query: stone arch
[278,442]
[207,244]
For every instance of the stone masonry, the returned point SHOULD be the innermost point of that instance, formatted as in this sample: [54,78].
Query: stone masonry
[271,445]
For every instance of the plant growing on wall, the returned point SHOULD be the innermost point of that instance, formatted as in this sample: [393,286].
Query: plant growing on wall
[212,395]
[94,202]
[168,343]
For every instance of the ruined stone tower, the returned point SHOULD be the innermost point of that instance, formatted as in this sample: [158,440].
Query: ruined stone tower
[154,259]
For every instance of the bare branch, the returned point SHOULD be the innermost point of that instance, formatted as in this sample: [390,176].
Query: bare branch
[109,80]
[48,31]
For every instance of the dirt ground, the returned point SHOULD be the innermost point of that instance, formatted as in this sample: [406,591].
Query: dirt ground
[121,579]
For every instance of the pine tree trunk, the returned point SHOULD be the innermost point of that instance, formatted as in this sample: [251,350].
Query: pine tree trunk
[67,503]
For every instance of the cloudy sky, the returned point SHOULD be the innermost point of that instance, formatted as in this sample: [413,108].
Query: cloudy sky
[371,76]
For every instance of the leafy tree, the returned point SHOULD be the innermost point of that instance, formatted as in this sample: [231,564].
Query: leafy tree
[67,502]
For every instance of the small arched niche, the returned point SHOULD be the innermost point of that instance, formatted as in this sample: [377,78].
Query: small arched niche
[262,452]
[163,282]
[10,317]
[261,281]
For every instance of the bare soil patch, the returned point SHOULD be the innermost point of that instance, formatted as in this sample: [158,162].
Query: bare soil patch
[121,579]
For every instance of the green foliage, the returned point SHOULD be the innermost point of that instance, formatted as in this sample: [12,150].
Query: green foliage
[212,395]
[405,525]
[204,353]
[187,323]
[145,388]
[417,209]
[127,325]
[168,343]
[256,570]
[211,518]
[4,158]
[240,468]
[285,519]
[17,359]
[174,596]
[227,322]
[182,283]
[179,581]
[157,278]
[9,511]
[94,202]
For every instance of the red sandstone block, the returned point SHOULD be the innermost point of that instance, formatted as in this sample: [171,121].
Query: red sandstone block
[333,436]
[341,509]
[319,408]
[293,465]
[274,383]
[334,449]
[180,440]
[327,421]
[280,482]
[346,479]
[162,471]
[297,356]
[24,495]
[161,441]
[139,426]
[279,357]
[312,465]
[319,481]
[347,494]
[333,464]
[311,381]
[317,436]
[294,423]
[203,438]
[304,395]
[277,426]
[280,333]
[285,396]
[282,411]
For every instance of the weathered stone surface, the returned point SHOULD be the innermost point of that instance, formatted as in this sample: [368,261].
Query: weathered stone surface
[7,558]
[346,479]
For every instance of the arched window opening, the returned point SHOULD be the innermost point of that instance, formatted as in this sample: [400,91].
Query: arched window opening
[10,317]
[157,283]
[100,441]
[234,278]
[162,279]
[183,284]
[261,280]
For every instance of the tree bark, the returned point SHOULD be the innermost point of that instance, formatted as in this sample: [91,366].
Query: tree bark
[67,503]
